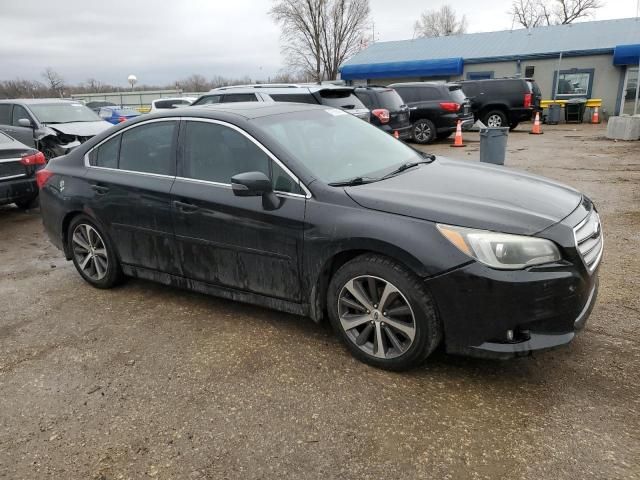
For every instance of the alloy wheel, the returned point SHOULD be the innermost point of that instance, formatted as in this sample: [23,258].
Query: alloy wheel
[422,132]
[376,317]
[494,121]
[90,252]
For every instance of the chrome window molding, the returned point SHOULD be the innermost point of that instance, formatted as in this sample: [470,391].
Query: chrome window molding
[9,160]
[13,176]
[87,164]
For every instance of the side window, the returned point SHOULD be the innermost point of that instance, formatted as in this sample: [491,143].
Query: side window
[18,113]
[294,97]
[240,97]
[408,94]
[5,114]
[429,93]
[282,181]
[216,153]
[106,155]
[208,100]
[149,148]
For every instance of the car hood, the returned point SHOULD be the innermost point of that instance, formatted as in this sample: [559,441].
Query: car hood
[471,195]
[80,129]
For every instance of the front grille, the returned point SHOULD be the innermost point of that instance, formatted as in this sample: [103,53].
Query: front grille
[589,240]
[12,169]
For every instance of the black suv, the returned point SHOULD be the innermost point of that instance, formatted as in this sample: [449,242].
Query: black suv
[388,110]
[503,102]
[435,109]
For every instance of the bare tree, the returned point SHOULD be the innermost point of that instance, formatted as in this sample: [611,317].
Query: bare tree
[440,23]
[318,35]
[54,80]
[534,13]
[195,83]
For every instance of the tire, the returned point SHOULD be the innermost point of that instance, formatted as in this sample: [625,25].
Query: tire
[28,203]
[414,324]
[495,118]
[102,268]
[513,126]
[442,136]
[423,131]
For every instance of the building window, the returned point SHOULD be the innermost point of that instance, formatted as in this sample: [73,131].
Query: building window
[479,75]
[574,83]
[529,71]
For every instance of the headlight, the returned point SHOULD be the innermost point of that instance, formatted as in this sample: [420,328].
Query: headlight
[501,250]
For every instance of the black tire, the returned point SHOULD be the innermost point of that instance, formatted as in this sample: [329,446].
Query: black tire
[423,131]
[112,271]
[28,203]
[495,118]
[427,328]
[513,126]
[442,136]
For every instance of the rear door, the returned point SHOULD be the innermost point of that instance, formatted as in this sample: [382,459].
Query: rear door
[129,182]
[233,241]
[12,126]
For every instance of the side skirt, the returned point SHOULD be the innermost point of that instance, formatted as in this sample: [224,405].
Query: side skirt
[216,290]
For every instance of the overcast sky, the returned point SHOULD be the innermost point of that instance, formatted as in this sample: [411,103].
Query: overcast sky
[162,41]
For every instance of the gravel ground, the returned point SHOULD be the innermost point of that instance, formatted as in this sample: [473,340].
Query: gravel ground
[150,381]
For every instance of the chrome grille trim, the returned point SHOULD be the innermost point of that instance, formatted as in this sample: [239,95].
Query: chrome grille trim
[590,240]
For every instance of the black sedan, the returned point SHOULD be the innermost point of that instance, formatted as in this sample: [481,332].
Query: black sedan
[18,166]
[311,211]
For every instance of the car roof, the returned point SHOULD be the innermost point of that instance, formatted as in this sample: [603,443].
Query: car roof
[36,101]
[280,87]
[248,110]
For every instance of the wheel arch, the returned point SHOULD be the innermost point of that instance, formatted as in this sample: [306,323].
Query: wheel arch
[339,257]
[66,221]
[504,108]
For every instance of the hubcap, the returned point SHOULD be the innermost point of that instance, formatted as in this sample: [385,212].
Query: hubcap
[90,252]
[422,132]
[494,121]
[376,317]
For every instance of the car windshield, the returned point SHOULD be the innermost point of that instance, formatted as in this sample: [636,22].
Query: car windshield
[336,146]
[63,113]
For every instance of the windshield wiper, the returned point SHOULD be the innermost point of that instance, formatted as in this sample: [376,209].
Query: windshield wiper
[406,166]
[353,181]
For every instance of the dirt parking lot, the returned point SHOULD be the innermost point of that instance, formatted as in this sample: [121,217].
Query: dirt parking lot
[150,381]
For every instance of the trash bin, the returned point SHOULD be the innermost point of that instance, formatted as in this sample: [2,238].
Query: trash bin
[493,145]
[574,110]
[553,116]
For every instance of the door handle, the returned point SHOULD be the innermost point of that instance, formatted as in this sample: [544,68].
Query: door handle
[185,207]
[99,189]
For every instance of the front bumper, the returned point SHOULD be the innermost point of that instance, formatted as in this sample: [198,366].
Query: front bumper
[543,307]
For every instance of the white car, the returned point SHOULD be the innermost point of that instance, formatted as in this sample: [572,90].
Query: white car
[174,102]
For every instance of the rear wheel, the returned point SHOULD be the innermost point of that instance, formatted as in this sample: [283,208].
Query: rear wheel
[93,254]
[383,313]
[424,131]
[495,119]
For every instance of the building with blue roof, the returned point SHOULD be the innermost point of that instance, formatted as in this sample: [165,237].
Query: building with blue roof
[596,59]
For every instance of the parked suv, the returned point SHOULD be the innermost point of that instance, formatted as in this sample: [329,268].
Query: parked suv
[503,102]
[435,109]
[51,125]
[315,94]
[388,110]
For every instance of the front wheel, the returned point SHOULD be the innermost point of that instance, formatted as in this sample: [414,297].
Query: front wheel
[93,254]
[424,131]
[383,313]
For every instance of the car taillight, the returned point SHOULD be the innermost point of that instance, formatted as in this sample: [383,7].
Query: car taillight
[122,119]
[382,114]
[42,177]
[527,100]
[450,106]
[36,158]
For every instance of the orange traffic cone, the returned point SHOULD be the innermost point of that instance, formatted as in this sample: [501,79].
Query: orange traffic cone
[595,118]
[396,134]
[537,129]
[458,140]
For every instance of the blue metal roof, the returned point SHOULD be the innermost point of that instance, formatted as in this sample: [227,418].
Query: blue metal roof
[585,38]
[417,68]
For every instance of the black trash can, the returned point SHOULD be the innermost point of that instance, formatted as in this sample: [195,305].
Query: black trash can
[493,145]
[553,116]
[574,110]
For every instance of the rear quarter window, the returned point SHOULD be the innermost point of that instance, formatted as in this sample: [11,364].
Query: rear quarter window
[294,98]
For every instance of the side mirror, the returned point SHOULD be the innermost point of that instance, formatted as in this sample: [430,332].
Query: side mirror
[25,122]
[255,184]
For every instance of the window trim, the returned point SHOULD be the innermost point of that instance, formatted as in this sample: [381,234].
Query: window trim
[590,71]
[275,159]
